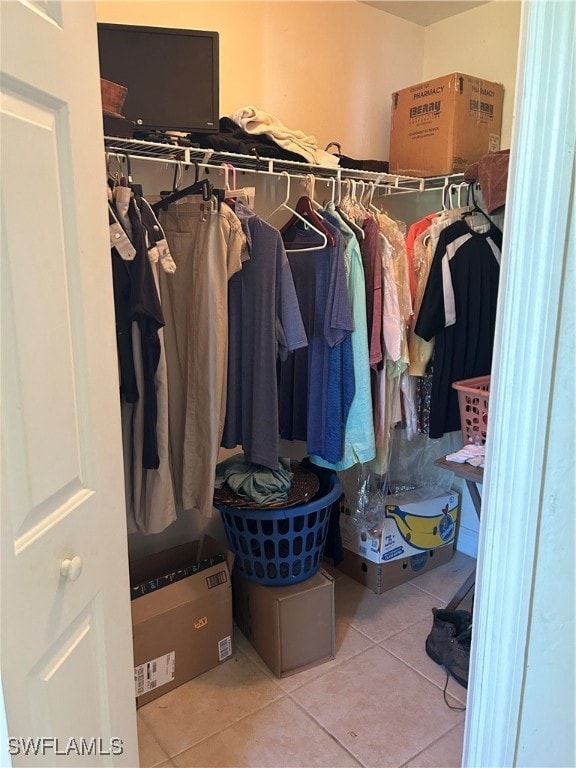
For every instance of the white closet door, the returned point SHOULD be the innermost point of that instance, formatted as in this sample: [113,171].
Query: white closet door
[66,635]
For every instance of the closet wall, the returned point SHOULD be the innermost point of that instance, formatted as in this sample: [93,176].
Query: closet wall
[327,68]
[334,82]
[483,41]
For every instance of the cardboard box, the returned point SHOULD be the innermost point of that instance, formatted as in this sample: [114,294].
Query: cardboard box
[292,627]
[181,615]
[380,577]
[404,524]
[443,125]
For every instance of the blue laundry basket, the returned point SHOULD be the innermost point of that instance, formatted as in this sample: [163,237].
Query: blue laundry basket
[283,545]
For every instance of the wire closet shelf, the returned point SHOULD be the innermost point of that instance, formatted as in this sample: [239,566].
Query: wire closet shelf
[210,158]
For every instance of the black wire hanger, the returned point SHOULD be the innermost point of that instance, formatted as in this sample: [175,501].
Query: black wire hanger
[475,207]
[203,187]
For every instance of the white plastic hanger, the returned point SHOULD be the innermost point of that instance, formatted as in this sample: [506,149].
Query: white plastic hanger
[333,197]
[284,206]
[371,207]
[310,187]
[350,205]
[248,193]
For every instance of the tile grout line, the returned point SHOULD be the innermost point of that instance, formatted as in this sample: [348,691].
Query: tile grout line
[258,709]
[285,694]
[432,743]
[230,725]
[407,664]
[326,731]
[431,594]
[152,732]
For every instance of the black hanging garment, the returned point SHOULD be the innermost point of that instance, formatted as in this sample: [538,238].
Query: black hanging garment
[136,299]
[459,310]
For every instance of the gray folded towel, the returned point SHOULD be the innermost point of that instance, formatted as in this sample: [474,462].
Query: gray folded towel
[254,481]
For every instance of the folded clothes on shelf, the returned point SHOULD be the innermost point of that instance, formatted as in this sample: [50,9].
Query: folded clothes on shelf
[469,454]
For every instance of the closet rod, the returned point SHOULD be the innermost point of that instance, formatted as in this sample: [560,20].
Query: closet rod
[212,159]
[208,167]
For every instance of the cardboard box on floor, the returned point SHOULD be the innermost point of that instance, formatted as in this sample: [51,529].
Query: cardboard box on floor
[443,125]
[409,523]
[380,577]
[292,627]
[181,616]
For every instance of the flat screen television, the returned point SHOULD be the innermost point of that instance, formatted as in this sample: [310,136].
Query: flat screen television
[171,75]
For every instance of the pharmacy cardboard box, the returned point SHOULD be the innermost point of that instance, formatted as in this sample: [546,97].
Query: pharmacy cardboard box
[443,125]
[405,524]
[181,615]
[380,577]
[292,627]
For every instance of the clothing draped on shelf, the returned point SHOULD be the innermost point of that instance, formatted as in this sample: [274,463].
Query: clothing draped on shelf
[330,331]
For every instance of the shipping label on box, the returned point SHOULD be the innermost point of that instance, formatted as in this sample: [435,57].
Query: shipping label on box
[443,125]
[154,673]
[401,525]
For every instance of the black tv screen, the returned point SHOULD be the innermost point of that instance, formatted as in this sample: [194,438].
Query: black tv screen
[171,75]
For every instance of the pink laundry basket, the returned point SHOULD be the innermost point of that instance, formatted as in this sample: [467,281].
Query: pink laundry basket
[473,397]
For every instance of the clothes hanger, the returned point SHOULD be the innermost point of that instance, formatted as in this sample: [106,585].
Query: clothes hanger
[362,185]
[305,210]
[357,213]
[451,193]
[310,187]
[445,193]
[248,193]
[113,177]
[337,202]
[475,209]
[371,207]
[203,187]
[363,211]
[352,211]
[344,200]
[308,208]
[136,188]
[333,196]
[296,215]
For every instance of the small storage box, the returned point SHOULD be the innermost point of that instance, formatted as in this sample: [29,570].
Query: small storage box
[291,627]
[473,397]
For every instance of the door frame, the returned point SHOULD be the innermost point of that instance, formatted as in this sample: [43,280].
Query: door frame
[506,565]
[541,176]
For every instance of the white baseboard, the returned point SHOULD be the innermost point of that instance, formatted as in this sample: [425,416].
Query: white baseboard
[467,542]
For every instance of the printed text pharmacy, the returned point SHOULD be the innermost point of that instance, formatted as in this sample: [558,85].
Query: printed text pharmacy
[50,745]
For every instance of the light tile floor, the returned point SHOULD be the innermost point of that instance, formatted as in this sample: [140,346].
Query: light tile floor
[379,703]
